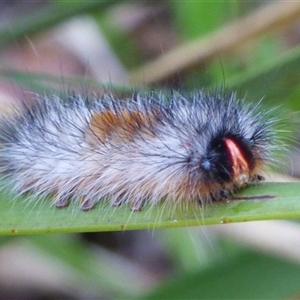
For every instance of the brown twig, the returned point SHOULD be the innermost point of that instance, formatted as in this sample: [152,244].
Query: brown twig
[269,18]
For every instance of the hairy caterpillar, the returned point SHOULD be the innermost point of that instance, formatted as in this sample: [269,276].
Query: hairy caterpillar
[191,147]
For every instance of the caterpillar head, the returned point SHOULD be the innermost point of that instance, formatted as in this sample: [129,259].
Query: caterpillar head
[229,159]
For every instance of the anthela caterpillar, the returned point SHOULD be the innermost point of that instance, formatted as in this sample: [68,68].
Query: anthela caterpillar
[187,147]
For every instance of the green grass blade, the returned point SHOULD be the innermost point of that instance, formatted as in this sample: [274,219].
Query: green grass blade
[267,201]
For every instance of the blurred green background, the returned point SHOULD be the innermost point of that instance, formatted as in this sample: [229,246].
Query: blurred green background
[251,47]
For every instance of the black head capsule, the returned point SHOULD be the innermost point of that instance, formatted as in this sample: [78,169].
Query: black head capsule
[228,159]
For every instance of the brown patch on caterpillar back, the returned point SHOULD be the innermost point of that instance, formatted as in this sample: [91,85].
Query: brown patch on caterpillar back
[120,127]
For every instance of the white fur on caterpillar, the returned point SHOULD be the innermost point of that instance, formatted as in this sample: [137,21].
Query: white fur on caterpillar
[181,147]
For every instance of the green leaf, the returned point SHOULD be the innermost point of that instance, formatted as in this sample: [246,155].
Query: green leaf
[249,275]
[47,17]
[277,79]
[47,83]
[198,18]
[265,201]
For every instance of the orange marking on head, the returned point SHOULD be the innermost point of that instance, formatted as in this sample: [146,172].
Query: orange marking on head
[240,166]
